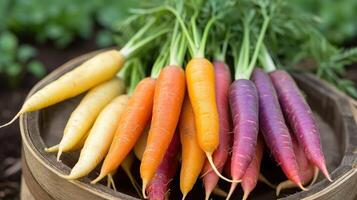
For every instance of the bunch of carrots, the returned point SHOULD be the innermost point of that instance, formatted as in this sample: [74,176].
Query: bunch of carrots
[188,113]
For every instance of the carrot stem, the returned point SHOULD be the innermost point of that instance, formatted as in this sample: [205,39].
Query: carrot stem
[266,60]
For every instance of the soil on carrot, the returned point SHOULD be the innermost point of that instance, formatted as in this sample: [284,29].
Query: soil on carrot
[11,101]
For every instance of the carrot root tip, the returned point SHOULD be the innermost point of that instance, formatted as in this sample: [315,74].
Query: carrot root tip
[12,120]
[245,195]
[231,190]
[143,189]
[51,149]
[111,180]
[316,174]
[266,181]
[284,185]
[325,172]
[209,158]
[302,187]
[184,196]
[59,153]
[100,177]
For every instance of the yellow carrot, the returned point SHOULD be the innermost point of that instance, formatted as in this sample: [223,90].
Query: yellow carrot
[83,117]
[76,147]
[92,72]
[141,143]
[99,138]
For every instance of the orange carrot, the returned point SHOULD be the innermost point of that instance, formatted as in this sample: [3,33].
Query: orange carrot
[169,95]
[201,88]
[131,124]
[193,157]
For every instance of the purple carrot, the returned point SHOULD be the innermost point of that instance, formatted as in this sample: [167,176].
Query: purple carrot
[251,176]
[273,127]
[299,117]
[158,186]
[308,173]
[243,100]
[223,79]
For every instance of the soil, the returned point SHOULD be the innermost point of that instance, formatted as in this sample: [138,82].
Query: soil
[11,101]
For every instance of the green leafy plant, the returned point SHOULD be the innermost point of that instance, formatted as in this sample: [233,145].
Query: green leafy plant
[16,59]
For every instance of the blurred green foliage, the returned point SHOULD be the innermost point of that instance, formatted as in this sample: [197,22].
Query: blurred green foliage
[336,19]
[57,21]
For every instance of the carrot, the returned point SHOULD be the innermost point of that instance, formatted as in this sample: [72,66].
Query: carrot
[192,155]
[299,116]
[297,112]
[83,117]
[94,71]
[168,99]
[136,115]
[201,88]
[273,127]
[99,139]
[251,176]
[223,79]
[141,143]
[158,186]
[76,147]
[308,172]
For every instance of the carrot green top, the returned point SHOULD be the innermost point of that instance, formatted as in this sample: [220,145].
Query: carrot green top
[266,60]
[244,67]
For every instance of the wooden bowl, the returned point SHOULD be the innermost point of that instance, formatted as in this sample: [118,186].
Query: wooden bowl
[44,128]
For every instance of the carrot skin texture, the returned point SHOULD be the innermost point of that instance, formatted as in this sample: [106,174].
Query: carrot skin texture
[273,127]
[306,168]
[94,71]
[158,186]
[243,99]
[299,117]
[168,99]
[192,158]
[132,123]
[251,176]
[220,155]
[99,139]
[201,89]
[85,114]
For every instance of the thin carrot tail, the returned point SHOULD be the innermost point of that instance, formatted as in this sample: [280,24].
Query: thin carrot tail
[325,172]
[111,180]
[231,190]
[316,174]
[59,153]
[245,195]
[266,181]
[52,149]
[13,119]
[209,157]
[133,182]
[100,177]
[143,189]
[286,185]
[184,196]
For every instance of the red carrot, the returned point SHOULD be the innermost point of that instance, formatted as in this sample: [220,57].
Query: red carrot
[251,176]
[223,79]
[273,127]
[158,186]
[308,173]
